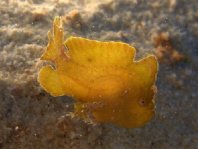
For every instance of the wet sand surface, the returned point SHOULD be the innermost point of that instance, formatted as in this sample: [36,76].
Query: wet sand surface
[31,118]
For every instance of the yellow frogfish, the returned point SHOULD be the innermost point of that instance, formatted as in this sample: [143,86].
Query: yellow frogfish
[103,78]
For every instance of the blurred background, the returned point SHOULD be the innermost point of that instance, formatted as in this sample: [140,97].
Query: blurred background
[31,118]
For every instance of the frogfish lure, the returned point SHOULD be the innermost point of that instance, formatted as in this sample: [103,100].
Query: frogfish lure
[103,78]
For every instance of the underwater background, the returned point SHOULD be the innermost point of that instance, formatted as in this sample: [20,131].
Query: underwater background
[31,118]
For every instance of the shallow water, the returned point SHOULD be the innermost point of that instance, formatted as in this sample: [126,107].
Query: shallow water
[31,118]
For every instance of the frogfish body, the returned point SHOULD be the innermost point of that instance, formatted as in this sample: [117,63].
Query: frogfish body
[108,85]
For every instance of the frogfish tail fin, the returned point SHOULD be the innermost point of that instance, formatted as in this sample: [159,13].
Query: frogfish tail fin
[55,41]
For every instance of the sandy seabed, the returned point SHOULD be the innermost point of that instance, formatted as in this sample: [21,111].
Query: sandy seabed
[31,118]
